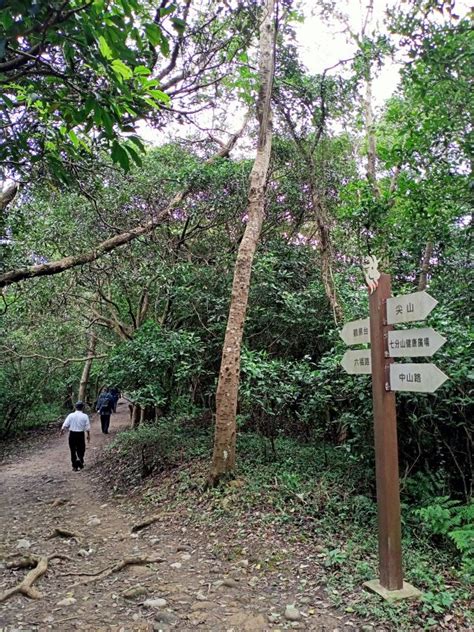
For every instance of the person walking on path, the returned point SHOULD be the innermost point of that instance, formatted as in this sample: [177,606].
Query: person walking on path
[78,425]
[105,405]
[114,391]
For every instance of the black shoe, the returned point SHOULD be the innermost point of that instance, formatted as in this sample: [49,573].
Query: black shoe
[75,469]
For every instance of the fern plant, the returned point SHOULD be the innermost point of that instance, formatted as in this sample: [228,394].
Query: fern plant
[450,519]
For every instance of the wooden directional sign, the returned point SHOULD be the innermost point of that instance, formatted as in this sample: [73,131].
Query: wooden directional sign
[421,378]
[414,343]
[409,307]
[356,332]
[357,362]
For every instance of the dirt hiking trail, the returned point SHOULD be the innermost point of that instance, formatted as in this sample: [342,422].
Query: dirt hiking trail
[177,580]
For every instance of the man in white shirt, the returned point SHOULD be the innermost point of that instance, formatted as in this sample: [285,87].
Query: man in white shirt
[77,423]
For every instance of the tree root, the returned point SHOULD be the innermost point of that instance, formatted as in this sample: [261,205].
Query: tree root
[57,502]
[128,561]
[22,562]
[147,522]
[59,532]
[25,587]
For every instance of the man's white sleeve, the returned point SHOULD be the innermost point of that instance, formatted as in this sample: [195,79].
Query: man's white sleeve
[67,422]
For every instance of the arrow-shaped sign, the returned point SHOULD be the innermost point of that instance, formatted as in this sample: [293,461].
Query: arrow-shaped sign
[421,378]
[356,332]
[357,362]
[409,307]
[414,343]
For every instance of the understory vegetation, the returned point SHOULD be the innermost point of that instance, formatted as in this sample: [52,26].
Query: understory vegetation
[214,305]
[313,496]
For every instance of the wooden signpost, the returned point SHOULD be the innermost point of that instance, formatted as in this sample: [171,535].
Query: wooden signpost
[388,377]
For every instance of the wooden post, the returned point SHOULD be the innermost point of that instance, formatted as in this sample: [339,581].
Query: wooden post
[386,445]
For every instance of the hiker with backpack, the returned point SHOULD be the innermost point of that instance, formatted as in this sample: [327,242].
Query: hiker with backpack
[105,405]
[115,392]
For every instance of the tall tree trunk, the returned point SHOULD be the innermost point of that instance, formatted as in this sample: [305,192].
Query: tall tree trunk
[370,132]
[223,460]
[425,266]
[136,415]
[325,251]
[84,381]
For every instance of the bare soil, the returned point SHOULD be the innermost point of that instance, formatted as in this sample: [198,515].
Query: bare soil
[201,582]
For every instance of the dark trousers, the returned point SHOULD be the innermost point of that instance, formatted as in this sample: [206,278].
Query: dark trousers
[105,422]
[77,445]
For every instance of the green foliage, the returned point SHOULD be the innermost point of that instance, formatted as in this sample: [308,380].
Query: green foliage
[157,366]
[75,78]
[447,517]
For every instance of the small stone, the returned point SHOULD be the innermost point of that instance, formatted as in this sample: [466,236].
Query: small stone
[230,582]
[243,563]
[202,605]
[274,617]
[166,617]
[23,544]
[94,521]
[68,601]
[85,552]
[176,565]
[155,603]
[185,557]
[304,600]
[134,592]
[292,613]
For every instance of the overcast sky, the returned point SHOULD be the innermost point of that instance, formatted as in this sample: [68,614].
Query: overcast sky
[324,44]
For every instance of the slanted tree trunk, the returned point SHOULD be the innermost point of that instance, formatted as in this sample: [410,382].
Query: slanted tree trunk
[81,396]
[101,249]
[425,266]
[223,460]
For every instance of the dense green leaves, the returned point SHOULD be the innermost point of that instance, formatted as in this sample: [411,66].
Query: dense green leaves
[74,79]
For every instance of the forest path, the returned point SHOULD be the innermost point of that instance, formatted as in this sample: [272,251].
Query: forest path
[193,588]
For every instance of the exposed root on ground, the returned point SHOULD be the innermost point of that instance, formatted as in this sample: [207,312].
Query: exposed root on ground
[60,532]
[147,522]
[57,502]
[128,561]
[25,587]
